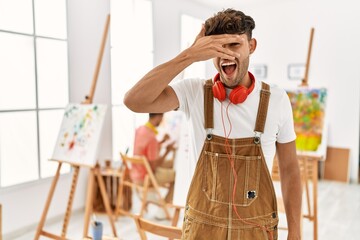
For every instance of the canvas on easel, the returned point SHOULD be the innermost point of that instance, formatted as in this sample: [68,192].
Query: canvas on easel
[79,134]
[309,114]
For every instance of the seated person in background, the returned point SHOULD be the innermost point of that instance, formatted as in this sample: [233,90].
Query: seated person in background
[147,145]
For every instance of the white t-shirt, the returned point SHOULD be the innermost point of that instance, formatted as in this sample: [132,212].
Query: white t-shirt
[279,125]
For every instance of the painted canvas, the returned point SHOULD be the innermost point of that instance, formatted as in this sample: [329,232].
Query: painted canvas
[171,124]
[79,134]
[308,105]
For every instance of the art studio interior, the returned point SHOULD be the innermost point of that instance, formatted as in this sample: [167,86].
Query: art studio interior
[67,138]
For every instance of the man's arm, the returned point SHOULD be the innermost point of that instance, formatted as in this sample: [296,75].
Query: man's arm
[290,186]
[153,94]
[157,162]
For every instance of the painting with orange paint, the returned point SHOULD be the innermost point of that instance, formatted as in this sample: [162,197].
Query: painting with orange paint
[308,105]
[79,134]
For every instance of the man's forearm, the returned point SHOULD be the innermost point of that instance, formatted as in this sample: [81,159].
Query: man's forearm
[292,196]
[149,88]
[291,187]
[152,93]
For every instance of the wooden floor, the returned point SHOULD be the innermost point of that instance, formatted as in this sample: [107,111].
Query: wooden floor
[338,209]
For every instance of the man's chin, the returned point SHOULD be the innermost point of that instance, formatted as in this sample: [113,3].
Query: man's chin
[230,81]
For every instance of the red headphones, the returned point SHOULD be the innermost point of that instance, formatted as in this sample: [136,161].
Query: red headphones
[237,95]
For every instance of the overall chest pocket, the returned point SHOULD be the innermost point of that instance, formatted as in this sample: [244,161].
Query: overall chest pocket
[218,178]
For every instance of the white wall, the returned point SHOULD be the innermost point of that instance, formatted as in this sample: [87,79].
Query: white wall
[283,33]
[24,204]
[167,16]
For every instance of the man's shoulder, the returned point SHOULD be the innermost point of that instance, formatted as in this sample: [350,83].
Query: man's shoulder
[143,130]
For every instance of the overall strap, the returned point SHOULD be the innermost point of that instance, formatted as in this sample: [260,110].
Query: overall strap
[263,108]
[208,105]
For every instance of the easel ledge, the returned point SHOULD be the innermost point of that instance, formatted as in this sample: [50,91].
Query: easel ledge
[71,163]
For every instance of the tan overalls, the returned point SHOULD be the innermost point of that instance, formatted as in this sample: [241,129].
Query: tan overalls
[209,212]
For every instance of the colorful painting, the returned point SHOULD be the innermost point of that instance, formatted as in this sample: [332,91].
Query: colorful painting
[79,134]
[308,105]
[171,124]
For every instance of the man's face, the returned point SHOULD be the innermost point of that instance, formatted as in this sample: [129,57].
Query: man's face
[233,71]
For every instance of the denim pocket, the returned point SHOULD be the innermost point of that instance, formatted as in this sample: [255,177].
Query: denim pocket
[218,178]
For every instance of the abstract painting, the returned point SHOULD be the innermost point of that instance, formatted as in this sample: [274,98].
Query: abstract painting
[308,105]
[171,124]
[80,134]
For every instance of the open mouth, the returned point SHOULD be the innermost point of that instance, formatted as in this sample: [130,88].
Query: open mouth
[228,68]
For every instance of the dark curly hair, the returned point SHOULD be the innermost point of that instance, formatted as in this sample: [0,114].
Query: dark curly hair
[229,21]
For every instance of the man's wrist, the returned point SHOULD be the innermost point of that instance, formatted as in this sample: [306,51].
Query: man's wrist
[294,235]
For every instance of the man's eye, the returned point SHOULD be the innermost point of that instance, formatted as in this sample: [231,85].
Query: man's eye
[234,44]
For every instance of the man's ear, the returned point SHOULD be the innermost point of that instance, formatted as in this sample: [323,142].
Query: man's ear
[252,44]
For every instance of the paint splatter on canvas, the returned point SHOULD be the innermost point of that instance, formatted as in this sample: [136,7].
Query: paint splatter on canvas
[309,114]
[171,124]
[80,133]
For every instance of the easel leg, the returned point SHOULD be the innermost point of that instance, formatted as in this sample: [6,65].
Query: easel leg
[120,196]
[89,201]
[0,222]
[105,200]
[307,191]
[70,201]
[315,181]
[47,204]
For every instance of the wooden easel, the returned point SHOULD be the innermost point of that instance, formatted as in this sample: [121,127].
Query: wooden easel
[309,161]
[94,172]
[310,174]
[305,80]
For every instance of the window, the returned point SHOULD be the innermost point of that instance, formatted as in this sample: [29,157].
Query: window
[131,58]
[33,87]
[190,28]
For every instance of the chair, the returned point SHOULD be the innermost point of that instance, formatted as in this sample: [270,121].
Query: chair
[149,184]
[175,218]
[144,226]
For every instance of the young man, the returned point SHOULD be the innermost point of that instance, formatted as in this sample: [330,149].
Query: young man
[237,125]
[147,145]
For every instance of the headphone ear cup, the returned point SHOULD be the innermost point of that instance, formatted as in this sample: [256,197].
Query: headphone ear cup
[219,91]
[238,95]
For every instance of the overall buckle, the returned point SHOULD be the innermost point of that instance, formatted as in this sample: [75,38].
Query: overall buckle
[209,133]
[257,137]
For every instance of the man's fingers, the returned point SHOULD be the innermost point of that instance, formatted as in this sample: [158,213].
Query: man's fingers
[226,53]
[228,38]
